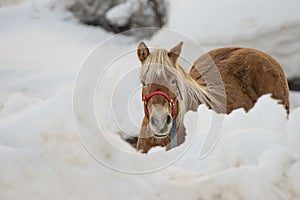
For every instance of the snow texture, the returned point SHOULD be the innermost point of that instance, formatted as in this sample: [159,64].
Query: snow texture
[120,14]
[41,156]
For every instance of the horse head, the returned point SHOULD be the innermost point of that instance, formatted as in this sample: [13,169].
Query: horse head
[160,91]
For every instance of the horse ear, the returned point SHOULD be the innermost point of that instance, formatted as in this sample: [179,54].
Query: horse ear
[175,52]
[142,52]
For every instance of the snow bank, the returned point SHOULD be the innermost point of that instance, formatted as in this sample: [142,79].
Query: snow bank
[252,160]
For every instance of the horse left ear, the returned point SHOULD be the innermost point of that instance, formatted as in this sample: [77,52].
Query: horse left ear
[175,52]
[142,52]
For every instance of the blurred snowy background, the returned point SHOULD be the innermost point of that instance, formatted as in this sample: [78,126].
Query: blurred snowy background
[43,44]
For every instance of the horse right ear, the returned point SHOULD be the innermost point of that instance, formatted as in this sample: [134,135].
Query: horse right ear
[175,52]
[142,52]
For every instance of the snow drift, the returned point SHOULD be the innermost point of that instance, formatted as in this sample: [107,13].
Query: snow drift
[257,155]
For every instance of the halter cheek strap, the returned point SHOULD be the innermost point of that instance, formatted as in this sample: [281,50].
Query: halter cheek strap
[171,101]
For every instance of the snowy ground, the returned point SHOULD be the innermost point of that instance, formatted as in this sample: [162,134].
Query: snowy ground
[257,157]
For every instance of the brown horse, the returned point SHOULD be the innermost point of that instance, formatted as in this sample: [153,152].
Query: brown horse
[224,79]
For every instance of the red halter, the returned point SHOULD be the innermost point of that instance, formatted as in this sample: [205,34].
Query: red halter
[170,100]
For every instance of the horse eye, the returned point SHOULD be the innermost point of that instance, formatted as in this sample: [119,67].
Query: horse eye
[174,81]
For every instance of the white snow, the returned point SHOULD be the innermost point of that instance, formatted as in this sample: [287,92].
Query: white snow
[120,14]
[41,156]
[231,18]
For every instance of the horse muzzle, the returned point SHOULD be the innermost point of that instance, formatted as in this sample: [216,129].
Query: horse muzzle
[161,127]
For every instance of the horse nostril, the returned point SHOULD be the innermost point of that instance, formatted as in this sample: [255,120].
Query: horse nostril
[168,119]
[152,120]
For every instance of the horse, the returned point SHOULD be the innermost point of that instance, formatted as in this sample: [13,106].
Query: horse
[223,79]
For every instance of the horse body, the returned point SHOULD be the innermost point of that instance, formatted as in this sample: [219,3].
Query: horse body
[247,74]
[224,79]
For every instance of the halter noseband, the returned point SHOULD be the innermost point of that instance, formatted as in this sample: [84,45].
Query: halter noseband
[171,101]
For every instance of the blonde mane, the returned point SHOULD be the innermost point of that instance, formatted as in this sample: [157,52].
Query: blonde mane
[159,65]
